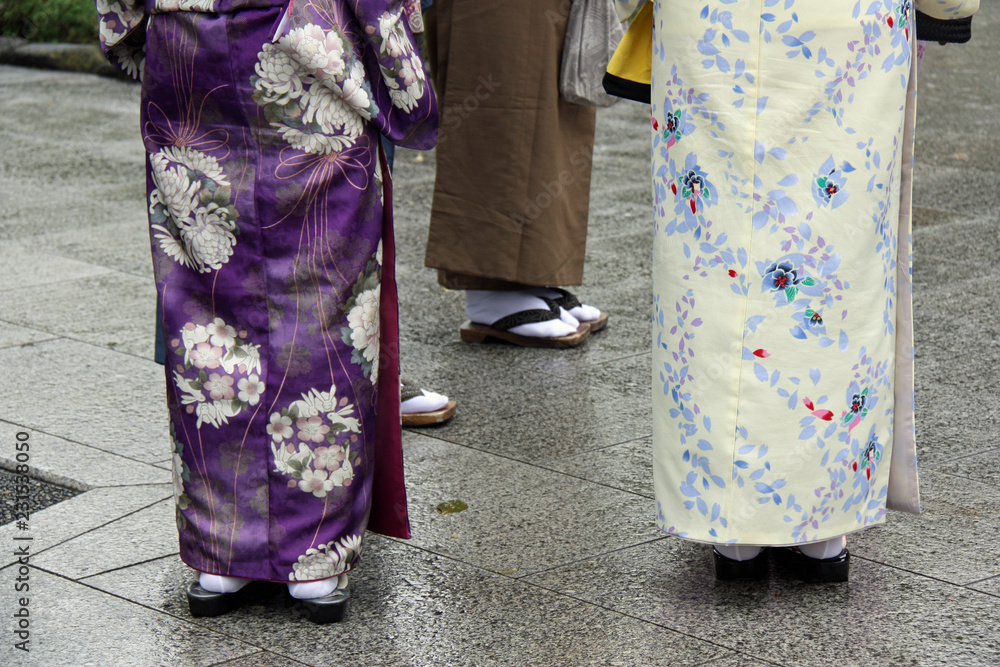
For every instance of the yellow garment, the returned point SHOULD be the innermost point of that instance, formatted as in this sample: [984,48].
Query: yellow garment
[781,141]
[630,72]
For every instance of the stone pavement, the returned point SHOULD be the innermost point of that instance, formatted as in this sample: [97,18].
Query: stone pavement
[557,560]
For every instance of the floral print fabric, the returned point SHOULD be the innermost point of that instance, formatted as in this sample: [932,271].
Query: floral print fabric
[270,230]
[781,329]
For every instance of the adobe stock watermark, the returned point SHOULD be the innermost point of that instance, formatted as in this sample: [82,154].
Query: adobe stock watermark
[581,160]
[456,114]
[22,543]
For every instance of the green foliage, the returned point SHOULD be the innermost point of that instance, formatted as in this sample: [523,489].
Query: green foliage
[49,20]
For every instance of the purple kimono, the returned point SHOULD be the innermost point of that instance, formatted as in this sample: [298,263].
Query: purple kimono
[271,228]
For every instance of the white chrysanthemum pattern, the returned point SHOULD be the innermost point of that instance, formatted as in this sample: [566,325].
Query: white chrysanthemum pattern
[329,560]
[313,90]
[190,209]
[362,310]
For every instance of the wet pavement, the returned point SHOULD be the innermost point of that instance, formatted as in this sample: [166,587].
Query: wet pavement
[556,561]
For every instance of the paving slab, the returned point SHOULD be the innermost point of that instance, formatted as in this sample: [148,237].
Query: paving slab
[67,175]
[409,607]
[520,518]
[15,335]
[112,310]
[145,535]
[982,467]
[595,406]
[882,616]
[625,466]
[81,514]
[480,376]
[971,135]
[72,464]
[990,586]
[736,660]
[955,415]
[91,395]
[28,265]
[72,624]
[260,659]
[964,190]
[956,255]
[945,540]
[122,244]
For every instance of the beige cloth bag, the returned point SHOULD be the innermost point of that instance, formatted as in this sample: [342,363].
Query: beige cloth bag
[592,35]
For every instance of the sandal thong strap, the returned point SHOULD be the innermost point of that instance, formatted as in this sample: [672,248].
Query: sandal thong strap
[533,316]
[408,390]
[567,300]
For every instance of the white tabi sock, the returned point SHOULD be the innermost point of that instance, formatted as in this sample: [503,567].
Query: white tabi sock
[310,590]
[824,548]
[739,551]
[582,313]
[487,306]
[428,401]
[216,583]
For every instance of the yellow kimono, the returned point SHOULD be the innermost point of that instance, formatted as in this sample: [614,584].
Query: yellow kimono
[782,339]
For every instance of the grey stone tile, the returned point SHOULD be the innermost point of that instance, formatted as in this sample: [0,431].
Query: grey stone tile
[60,461]
[261,659]
[955,254]
[26,265]
[521,518]
[930,217]
[122,245]
[736,660]
[628,466]
[111,401]
[990,586]
[497,380]
[983,467]
[409,607]
[618,209]
[144,535]
[113,310]
[13,335]
[593,406]
[81,514]
[970,135]
[72,624]
[882,616]
[954,415]
[157,584]
[965,189]
[945,540]
[72,175]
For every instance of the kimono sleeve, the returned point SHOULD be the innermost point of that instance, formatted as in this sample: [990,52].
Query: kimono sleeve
[408,107]
[122,29]
[945,20]
[365,53]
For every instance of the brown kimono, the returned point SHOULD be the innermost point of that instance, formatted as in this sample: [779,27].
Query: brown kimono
[513,160]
